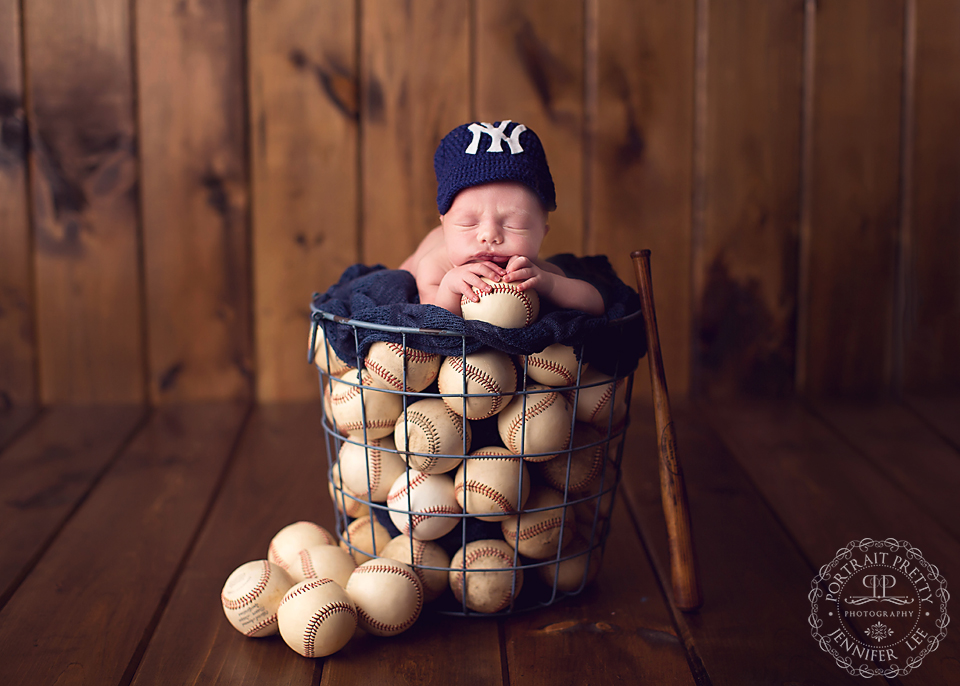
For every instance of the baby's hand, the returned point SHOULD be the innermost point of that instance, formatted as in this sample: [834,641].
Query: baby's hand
[463,279]
[523,272]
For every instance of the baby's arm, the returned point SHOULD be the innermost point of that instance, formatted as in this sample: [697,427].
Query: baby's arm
[444,288]
[550,282]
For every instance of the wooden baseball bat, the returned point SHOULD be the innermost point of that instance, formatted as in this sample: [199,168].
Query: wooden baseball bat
[683,565]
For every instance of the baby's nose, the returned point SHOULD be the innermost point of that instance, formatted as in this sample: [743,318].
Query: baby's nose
[490,233]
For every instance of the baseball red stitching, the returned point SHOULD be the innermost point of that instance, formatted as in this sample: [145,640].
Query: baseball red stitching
[603,399]
[385,374]
[310,632]
[261,625]
[419,517]
[306,564]
[505,288]
[423,423]
[538,407]
[307,586]
[485,490]
[414,354]
[377,624]
[253,593]
[475,555]
[534,530]
[487,382]
[551,366]
[414,482]
[371,424]
[456,419]
[557,473]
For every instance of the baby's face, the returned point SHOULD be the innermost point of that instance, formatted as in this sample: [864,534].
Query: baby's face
[494,222]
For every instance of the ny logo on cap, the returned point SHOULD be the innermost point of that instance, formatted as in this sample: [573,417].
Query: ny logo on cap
[497,135]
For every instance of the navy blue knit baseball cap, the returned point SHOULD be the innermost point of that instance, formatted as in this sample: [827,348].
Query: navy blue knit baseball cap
[478,153]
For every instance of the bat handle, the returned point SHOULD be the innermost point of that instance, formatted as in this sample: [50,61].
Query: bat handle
[683,565]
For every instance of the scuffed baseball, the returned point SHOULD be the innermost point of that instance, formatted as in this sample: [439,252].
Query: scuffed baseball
[317,617]
[422,504]
[555,365]
[493,484]
[505,306]
[323,562]
[420,555]
[251,596]
[595,404]
[487,371]
[543,527]
[350,502]
[483,575]
[360,408]
[325,358]
[586,457]
[293,538]
[571,575]
[385,362]
[388,596]
[428,430]
[364,538]
[370,469]
[536,424]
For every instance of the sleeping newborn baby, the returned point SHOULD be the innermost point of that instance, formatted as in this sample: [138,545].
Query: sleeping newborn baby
[494,190]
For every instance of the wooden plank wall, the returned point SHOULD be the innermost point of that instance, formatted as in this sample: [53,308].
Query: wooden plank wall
[176,179]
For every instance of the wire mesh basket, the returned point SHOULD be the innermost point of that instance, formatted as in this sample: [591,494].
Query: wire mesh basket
[494,521]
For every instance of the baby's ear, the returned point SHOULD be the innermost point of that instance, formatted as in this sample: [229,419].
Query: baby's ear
[546,229]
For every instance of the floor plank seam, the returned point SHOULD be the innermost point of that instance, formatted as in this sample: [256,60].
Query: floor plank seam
[138,654]
[922,417]
[718,436]
[694,661]
[879,469]
[31,564]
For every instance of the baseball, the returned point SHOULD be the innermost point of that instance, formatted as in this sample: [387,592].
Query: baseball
[585,461]
[293,538]
[323,562]
[482,576]
[317,617]
[360,408]
[421,554]
[325,359]
[536,424]
[364,538]
[369,469]
[488,371]
[505,306]
[328,409]
[420,503]
[349,502]
[251,596]
[543,527]
[595,505]
[385,362]
[388,596]
[430,430]
[555,365]
[594,404]
[572,574]
[492,485]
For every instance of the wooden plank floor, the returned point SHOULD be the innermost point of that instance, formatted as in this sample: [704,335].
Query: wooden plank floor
[118,527]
